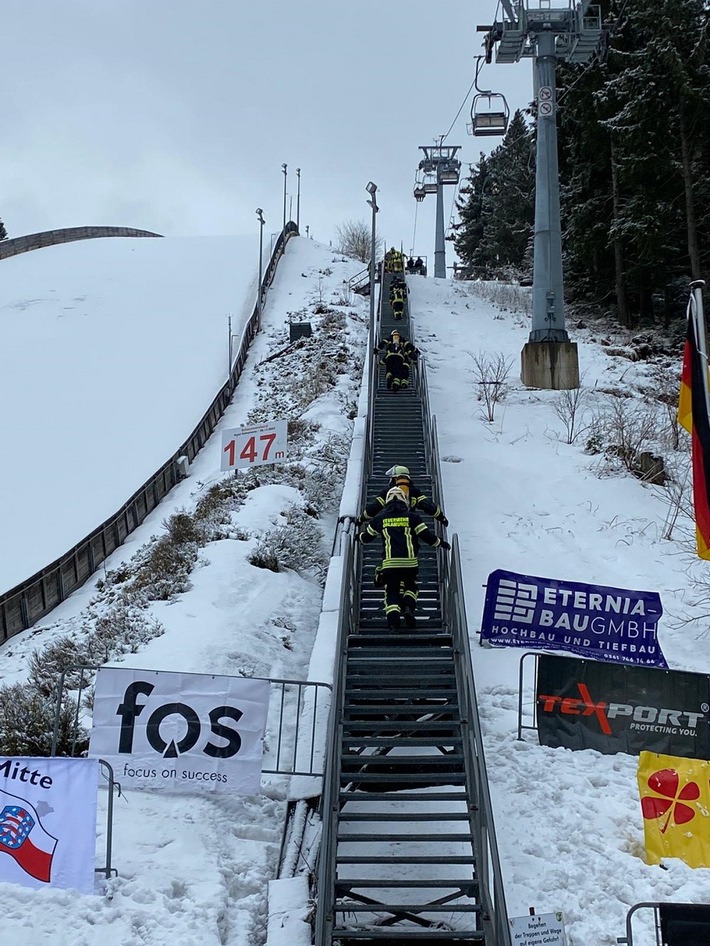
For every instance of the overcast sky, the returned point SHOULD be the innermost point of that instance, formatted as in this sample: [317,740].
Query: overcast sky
[176,115]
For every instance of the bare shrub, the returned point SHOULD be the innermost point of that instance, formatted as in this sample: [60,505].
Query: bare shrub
[502,294]
[295,545]
[491,376]
[355,239]
[676,493]
[623,432]
[664,390]
[569,405]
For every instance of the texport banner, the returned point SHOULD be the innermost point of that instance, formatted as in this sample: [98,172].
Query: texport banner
[48,822]
[180,730]
[611,624]
[584,704]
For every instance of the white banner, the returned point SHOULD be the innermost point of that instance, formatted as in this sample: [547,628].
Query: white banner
[180,730]
[243,447]
[48,822]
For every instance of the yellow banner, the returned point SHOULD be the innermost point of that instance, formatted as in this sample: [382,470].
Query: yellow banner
[675,802]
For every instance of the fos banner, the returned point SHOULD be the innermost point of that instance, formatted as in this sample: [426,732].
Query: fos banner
[48,822]
[180,730]
[675,800]
[585,704]
[611,624]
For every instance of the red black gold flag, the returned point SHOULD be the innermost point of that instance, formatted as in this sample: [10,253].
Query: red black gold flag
[693,415]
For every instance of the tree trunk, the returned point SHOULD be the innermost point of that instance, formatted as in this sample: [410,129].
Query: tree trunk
[691,225]
[619,274]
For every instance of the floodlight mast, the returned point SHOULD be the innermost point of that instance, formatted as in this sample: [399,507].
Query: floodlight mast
[372,202]
[573,32]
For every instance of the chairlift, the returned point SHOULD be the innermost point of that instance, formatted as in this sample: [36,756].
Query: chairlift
[430,184]
[489,110]
[419,192]
[449,173]
[489,114]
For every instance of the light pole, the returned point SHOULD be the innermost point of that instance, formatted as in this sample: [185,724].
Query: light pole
[260,215]
[298,198]
[284,168]
[372,202]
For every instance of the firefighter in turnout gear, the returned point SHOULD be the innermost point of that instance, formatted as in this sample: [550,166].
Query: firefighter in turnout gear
[401,531]
[418,501]
[394,262]
[397,302]
[397,354]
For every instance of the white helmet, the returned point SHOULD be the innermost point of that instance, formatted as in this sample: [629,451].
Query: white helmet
[396,493]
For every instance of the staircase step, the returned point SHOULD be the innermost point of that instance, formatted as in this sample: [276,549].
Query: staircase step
[438,837]
[410,936]
[350,906]
[405,816]
[382,859]
[468,885]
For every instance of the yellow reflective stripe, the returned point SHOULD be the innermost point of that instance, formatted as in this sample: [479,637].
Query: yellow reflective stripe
[399,563]
[421,527]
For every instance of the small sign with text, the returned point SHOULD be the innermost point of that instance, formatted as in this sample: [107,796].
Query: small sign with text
[244,447]
[545,929]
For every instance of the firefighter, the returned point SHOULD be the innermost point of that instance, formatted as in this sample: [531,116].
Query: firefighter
[401,531]
[419,502]
[396,359]
[397,302]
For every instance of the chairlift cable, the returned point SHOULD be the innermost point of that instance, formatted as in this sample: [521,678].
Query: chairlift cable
[470,89]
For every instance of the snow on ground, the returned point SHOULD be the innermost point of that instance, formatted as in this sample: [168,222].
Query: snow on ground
[520,498]
[194,869]
[112,351]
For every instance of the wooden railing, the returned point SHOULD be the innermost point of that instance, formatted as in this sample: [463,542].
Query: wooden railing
[34,241]
[28,602]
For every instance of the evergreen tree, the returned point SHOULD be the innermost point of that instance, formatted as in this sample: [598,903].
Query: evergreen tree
[498,210]
[3,231]
[633,149]
[468,232]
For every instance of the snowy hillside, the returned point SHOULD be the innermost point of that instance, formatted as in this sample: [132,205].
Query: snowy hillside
[193,870]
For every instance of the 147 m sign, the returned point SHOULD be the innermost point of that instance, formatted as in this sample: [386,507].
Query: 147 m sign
[243,447]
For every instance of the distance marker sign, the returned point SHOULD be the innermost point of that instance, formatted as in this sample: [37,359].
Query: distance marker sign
[244,447]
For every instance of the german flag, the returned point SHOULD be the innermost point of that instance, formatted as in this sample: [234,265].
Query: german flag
[693,415]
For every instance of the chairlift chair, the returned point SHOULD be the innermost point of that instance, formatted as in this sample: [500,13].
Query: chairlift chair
[449,173]
[489,114]
[419,192]
[430,184]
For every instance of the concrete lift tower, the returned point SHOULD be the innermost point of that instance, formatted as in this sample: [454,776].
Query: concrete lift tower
[439,166]
[546,31]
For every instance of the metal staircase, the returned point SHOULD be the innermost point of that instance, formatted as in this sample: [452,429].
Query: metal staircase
[401,800]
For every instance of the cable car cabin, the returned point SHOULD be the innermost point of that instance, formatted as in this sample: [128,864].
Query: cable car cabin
[489,114]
